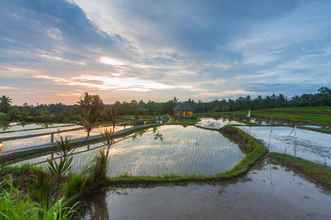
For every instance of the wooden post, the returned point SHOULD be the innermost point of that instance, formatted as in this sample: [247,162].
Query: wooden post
[52,138]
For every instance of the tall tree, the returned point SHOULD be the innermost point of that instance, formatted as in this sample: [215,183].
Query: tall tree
[91,110]
[5,103]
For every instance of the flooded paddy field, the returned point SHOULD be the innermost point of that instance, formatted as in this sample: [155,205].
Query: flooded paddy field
[306,144]
[28,142]
[38,131]
[215,123]
[169,149]
[19,127]
[269,191]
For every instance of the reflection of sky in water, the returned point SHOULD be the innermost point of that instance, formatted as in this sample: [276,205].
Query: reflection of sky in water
[17,126]
[174,150]
[21,143]
[45,130]
[270,192]
[311,145]
[168,150]
[216,123]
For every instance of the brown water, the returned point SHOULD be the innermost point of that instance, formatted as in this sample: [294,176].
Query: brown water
[267,192]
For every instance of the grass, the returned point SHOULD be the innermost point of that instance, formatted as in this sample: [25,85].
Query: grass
[15,205]
[316,172]
[19,170]
[185,122]
[302,115]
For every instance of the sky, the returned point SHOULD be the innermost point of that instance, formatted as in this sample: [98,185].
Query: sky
[55,50]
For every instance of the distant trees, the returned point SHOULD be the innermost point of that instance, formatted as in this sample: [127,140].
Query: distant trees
[5,103]
[91,110]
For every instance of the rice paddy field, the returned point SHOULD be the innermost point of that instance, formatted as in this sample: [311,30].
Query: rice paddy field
[270,190]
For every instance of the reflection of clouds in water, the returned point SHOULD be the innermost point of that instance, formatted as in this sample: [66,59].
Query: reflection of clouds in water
[216,123]
[306,145]
[187,150]
[28,142]
[310,145]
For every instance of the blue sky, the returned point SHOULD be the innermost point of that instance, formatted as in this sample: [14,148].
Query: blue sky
[54,50]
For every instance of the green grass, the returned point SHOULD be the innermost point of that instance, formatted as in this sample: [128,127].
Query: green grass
[304,115]
[16,205]
[185,122]
[19,170]
[316,172]
[313,115]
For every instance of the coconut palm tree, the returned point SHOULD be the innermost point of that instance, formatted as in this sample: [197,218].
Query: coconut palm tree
[91,109]
[5,103]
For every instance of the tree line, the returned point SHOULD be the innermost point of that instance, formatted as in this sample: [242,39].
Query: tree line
[72,113]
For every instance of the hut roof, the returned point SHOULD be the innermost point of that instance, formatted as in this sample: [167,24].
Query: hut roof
[183,107]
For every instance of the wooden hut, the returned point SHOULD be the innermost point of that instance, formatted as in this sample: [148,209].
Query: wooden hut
[183,110]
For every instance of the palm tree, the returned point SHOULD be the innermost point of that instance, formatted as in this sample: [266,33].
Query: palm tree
[5,103]
[91,109]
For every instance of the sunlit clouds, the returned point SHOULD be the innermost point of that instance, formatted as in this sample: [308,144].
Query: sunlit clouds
[111,61]
[155,50]
[112,83]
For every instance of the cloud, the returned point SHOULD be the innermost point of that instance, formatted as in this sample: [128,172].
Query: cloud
[158,49]
[111,61]
[112,83]
[7,88]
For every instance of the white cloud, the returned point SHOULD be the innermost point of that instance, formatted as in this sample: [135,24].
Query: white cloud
[61,59]
[111,61]
[113,82]
[7,88]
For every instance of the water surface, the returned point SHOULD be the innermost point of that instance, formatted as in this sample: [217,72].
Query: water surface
[170,149]
[18,126]
[217,123]
[28,142]
[269,192]
[310,145]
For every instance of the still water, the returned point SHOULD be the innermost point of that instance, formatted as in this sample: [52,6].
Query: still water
[268,192]
[19,126]
[28,142]
[169,149]
[310,145]
[217,123]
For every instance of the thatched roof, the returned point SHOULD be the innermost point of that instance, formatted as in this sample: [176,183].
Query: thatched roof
[183,107]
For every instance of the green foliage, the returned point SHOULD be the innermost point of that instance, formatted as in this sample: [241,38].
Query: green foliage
[14,205]
[99,172]
[5,103]
[19,170]
[101,165]
[75,185]
[3,117]
[91,110]
[41,188]
[62,166]
[185,122]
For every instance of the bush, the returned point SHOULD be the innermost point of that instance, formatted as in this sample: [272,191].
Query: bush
[3,117]
[14,205]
